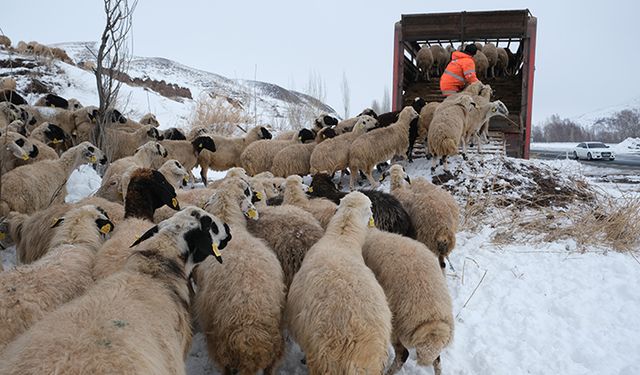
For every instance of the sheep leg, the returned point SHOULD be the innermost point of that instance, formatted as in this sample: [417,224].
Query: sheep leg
[352,179]
[445,163]
[437,366]
[203,174]
[372,181]
[402,354]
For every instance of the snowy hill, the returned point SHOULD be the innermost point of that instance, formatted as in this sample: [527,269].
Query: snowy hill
[272,107]
[589,118]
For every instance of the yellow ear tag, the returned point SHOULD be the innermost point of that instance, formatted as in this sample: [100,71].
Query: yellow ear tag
[105,229]
[2,236]
[300,139]
[200,145]
[186,178]
[252,214]
[25,157]
[93,120]
[310,190]
[215,250]
[93,159]
[54,221]
[259,195]
[56,141]
[174,202]
[493,109]
[372,223]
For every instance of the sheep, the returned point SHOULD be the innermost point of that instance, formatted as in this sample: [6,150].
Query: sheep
[295,159]
[380,145]
[85,130]
[33,187]
[187,152]
[51,135]
[333,154]
[502,63]
[15,148]
[491,52]
[45,152]
[426,116]
[33,233]
[124,144]
[174,134]
[74,104]
[5,41]
[417,294]
[347,125]
[149,119]
[336,310]
[135,322]
[66,119]
[228,151]
[322,209]
[147,191]
[447,127]
[478,120]
[30,291]
[440,60]
[22,47]
[388,118]
[482,64]
[388,213]
[239,305]
[290,232]
[319,123]
[424,60]
[11,96]
[149,155]
[434,212]
[8,83]
[172,170]
[258,156]
[51,100]
[87,65]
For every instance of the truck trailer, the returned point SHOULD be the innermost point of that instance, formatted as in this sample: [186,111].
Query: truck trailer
[514,30]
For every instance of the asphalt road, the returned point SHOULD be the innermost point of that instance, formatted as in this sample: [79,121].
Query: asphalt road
[621,161]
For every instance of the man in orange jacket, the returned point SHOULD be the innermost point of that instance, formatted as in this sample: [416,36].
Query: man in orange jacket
[460,72]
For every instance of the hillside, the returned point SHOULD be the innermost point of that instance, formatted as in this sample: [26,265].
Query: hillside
[274,103]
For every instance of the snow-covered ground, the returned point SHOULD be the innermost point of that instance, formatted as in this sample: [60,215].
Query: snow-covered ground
[520,308]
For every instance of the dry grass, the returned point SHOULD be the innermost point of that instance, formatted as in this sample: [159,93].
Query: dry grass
[218,116]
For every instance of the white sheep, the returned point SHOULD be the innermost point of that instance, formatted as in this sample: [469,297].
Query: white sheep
[135,322]
[30,291]
[380,145]
[424,60]
[295,159]
[336,310]
[447,127]
[491,52]
[239,304]
[33,187]
[123,144]
[322,209]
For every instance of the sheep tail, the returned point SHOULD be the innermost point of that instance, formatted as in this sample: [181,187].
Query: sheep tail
[430,338]
[449,147]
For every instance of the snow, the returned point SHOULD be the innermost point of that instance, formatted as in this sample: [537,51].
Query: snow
[628,146]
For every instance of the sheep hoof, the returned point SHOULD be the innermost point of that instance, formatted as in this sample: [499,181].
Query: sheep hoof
[303,360]
[464,156]
[428,156]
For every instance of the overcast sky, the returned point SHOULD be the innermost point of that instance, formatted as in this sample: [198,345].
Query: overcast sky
[586,59]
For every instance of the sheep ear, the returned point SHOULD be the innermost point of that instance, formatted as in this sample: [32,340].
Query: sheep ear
[148,234]
[57,222]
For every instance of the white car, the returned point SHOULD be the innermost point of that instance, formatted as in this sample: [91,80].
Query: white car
[593,151]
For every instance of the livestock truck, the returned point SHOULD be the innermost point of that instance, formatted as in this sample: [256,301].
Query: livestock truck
[514,30]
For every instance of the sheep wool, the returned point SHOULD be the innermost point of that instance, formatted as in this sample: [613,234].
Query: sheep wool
[447,127]
[417,294]
[239,304]
[336,310]
[424,60]
[295,159]
[322,209]
[28,292]
[135,322]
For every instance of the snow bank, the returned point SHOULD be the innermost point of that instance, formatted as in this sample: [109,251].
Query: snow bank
[83,182]
[628,146]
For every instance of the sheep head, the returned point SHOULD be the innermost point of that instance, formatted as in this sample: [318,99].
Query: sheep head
[203,143]
[356,207]
[407,114]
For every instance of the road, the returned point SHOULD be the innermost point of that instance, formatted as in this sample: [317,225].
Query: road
[631,162]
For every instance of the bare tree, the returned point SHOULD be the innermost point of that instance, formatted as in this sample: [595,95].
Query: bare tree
[113,58]
[376,106]
[316,87]
[346,95]
[386,101]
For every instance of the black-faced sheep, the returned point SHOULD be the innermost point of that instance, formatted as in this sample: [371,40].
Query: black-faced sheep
[239,304]
[336,310]
[28,292]
[417,294]
[15,148]
[174,134]
[380,145]
[228,150]
[123,144]
[388,212]
[295,159]
[52,100]
[33,187]
[135,322]
[147,191]
[347,125]
[187,152]
[11,96]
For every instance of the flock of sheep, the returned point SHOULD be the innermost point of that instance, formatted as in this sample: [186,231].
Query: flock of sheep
[491,61]
[113,282]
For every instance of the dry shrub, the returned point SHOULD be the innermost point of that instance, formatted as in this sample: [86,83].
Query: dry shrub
[218,116]
[610,221]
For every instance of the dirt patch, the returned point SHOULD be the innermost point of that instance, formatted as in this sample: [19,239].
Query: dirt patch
[37,87]
[17,63]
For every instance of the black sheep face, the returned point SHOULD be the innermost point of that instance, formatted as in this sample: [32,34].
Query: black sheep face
[330,121]
[204,143]
[418,103]
[265,133]
[163,192]
[369,112]
[161,150]
[55,134]
[174,134]
[306,135]
[154,133]
[328,133]
[52,100]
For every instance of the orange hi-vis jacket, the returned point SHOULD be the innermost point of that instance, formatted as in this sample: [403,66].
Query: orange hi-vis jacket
[460,71]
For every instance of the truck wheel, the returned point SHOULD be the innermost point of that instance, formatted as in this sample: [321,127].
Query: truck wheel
[589,156]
